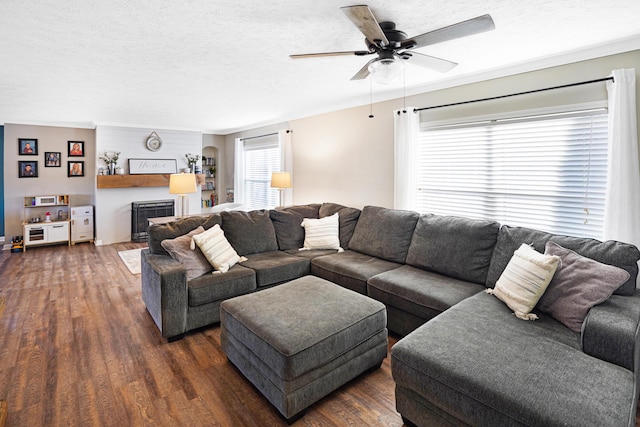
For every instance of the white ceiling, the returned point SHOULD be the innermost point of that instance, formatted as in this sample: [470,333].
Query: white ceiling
[222,65]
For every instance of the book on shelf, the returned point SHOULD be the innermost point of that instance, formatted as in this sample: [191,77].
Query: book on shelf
[210,202]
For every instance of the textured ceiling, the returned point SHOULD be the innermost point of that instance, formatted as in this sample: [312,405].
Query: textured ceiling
[223,65]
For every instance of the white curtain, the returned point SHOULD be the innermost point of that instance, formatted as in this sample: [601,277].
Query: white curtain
[238,176]
[407,131]
[286,161]
[622,203]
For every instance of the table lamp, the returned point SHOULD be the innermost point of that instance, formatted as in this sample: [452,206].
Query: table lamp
[281,180]
[182,184]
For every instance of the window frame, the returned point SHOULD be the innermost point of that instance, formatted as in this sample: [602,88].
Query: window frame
[507,118]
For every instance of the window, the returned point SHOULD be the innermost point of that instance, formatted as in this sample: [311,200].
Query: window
[261,157]
[547,172]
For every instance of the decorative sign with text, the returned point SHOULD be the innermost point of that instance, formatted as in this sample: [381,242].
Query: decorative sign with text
[152,166]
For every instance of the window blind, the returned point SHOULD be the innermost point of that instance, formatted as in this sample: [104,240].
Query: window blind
[546,172]
[262,156]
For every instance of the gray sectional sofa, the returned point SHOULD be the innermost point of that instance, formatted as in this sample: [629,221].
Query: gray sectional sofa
[464,358]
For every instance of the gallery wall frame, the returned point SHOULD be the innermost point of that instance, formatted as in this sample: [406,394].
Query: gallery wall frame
[75,168]
[75,148]
[52,159]
[27,169]
[27,146]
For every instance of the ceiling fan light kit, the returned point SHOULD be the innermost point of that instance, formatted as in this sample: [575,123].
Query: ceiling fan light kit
[393,47]
[386,71]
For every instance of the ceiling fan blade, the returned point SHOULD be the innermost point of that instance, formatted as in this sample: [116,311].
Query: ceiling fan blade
[316,55]
[431,62]
[364,71]
[362,17]
[469,27]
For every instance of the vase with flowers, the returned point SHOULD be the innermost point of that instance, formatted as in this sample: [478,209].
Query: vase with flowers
[111,160]
[192,161]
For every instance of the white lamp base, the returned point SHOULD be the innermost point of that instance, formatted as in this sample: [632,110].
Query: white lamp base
[281,193]
[182,206]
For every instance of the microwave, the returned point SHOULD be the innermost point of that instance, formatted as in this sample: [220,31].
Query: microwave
[46,200]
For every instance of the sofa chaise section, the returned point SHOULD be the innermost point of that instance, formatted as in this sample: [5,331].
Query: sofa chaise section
[477,364]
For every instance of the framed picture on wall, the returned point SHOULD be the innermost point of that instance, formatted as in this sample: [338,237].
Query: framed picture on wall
[76,148]
[52,159]
[27,146]
[27,169]
[75,168]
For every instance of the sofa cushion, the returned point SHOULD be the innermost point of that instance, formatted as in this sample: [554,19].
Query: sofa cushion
[286,223]
[276,267]
[312,253]
[212,220]
[216,249]
[610,252]
[321,233]
[249,232]
[454,246]
[489,368]
[348,218]
[579,284]
[216,287]
[524,280]
[171,230]
[419,292]
[350,269]
[191,259]
[384,233]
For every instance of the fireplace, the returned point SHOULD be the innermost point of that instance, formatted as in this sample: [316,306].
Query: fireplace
[142,211]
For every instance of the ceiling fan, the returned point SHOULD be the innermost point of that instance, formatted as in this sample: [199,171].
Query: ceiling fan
[392,45]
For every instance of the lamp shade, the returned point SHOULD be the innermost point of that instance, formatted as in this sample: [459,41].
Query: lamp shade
[182,183]
[280,180]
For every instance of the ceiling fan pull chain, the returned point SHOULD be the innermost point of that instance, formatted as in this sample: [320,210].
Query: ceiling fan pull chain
[371,98]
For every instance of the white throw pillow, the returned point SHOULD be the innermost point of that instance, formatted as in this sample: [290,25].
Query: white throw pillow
[323,233]
[217,249]
[524,280]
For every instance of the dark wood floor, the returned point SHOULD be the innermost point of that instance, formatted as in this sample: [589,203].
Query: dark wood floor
[77,348]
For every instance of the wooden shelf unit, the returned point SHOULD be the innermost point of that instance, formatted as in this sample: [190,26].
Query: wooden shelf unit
[132,181]
[45,232]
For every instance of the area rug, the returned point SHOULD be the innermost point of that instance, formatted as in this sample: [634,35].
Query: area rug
[131,259]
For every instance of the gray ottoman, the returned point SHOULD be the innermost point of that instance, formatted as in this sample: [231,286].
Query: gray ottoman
[299,341]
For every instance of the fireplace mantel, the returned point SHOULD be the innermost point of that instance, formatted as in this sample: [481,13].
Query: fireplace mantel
[143,180]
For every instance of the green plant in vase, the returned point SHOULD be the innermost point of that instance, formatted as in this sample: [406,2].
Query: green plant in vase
[192,160]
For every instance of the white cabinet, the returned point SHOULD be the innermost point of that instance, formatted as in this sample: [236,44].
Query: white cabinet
[81,224]
[45,233]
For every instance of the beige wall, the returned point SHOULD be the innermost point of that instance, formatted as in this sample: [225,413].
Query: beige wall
[50,180]
[346,157]
[342,156]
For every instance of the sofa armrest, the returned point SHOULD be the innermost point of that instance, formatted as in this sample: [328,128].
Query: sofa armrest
[164,292]
[610,331]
